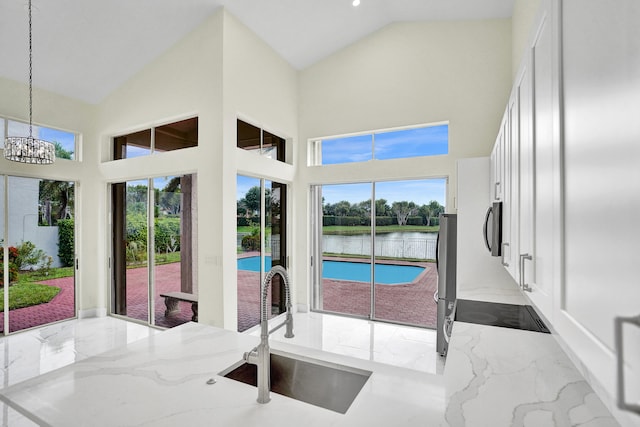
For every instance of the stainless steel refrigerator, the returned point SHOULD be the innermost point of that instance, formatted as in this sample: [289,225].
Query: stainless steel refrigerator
[446,249]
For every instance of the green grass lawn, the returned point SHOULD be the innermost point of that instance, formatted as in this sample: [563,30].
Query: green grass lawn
[27,294]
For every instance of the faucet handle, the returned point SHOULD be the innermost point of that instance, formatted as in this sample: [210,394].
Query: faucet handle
[289,329]
[251,357]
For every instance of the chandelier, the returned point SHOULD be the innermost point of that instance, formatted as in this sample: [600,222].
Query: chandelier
[29,149]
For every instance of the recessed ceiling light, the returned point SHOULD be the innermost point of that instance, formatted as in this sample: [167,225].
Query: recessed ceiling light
[356,3]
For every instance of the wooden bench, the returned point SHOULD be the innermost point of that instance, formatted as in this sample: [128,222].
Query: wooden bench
[171,300]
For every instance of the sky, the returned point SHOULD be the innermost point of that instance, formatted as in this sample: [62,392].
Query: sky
[398,144]
[66,139]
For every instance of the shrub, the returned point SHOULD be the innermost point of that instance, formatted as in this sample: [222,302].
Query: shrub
[167,234]
[13,273]
[244,222]
[66,249]
[29,256]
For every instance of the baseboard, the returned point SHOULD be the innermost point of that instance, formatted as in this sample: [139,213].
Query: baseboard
[92,312]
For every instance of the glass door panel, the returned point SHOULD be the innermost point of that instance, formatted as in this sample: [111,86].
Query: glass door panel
[41,252]
[405,276]
[275,249]
[248,250]
[345,284]
[261,244]
[130,296]
[173,279]
[4,277]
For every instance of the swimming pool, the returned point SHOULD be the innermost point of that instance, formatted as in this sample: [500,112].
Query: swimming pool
[387,274]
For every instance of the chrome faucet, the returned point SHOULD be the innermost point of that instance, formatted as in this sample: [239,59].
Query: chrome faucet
[261,355]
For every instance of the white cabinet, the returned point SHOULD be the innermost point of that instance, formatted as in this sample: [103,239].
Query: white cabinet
[526,163]
[569,179]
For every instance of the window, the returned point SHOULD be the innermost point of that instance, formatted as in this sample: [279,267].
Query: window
[252,138]
[65,142]
[430,140]
[170,137]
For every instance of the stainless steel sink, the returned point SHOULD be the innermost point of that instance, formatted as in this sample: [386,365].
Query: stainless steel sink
[319,383]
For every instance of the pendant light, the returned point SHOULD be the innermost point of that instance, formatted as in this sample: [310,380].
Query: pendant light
[29,149]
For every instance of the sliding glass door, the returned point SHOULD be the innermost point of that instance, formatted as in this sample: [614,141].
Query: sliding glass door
[261,244]
[379,269]
[346,248]
[38,255]
[154,269]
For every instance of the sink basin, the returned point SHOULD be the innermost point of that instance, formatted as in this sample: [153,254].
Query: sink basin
[319,383]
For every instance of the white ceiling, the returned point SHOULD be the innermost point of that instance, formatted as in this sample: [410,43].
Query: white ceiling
[85,49]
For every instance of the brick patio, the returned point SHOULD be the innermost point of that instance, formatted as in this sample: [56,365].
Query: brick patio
[411,303]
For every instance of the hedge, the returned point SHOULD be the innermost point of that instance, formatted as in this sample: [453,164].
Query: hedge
[66,251]
[415,220]
[243,222]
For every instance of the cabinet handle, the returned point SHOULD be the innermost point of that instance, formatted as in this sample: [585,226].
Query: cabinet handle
[619,321]
[523,285]
[504,245]
[497,185]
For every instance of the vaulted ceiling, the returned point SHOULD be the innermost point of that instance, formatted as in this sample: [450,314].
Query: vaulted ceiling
[85,49]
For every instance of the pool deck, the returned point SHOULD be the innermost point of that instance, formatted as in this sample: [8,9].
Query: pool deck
[410,303]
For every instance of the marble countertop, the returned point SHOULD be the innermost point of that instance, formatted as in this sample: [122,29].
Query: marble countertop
[162,381]
[493,377]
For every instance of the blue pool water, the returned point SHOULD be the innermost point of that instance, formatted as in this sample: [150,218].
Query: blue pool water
[353,271]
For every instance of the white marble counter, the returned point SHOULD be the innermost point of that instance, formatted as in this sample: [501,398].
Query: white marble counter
[493,377]
[162,381]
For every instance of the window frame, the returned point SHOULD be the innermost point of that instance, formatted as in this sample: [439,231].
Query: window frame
[76,136]
[314,151]
[152,139]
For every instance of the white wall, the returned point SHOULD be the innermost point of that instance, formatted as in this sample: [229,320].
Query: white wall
[218,72]
[261,88]
[480,276]
[405,74]
[59,112]
[185,81]
[522,19]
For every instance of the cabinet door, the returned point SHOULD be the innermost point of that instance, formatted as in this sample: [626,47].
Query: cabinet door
[510,208]
[546,185]
[524,97]
[601,58]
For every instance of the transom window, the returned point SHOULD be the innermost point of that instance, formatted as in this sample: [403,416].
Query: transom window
[427,140]
[169,137]
[252,138]
[65,142]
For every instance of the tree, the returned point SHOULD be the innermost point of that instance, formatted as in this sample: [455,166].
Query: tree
[342,208]
[55,201]
[403,210]
[250,203]
[433,210]
[61,153]
[382,208]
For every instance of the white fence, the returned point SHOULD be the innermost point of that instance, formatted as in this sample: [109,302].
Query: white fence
[396,248]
